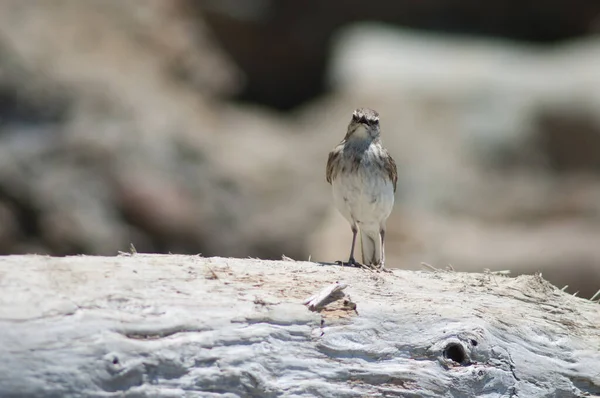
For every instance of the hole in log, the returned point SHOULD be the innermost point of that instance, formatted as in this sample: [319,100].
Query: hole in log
[474,343]
[457,353]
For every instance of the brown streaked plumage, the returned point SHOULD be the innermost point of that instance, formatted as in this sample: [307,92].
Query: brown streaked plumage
[363,176]
[390,167]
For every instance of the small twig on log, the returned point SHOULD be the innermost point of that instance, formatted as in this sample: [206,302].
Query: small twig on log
[595,295]
[212,274]
[503,272]
[430,267]
[324,297]
[490,275]
[132,251]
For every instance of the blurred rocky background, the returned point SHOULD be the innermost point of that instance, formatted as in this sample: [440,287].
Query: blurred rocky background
[191,126]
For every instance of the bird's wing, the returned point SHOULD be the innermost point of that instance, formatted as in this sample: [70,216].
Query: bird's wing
[333,163]
[390,167]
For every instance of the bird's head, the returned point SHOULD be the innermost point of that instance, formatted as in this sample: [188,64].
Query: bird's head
[364,125]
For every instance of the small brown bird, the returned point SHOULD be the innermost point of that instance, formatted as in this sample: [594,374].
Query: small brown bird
[363,177]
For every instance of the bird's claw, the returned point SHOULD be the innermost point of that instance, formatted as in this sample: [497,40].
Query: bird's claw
[372,267]
[351,263]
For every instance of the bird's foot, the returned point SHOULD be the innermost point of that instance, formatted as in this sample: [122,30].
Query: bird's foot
[351,263]
[378,268]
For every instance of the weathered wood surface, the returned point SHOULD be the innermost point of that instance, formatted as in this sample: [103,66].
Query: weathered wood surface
[187,326]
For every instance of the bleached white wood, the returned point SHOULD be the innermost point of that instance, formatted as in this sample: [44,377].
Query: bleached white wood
[173,326]
[319,299]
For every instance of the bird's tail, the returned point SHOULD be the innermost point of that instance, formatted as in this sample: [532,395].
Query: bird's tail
[370,244]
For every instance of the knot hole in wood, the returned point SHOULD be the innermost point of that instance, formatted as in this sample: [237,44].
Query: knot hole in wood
[456,352]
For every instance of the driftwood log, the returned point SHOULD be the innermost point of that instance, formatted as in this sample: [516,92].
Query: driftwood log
[186,326]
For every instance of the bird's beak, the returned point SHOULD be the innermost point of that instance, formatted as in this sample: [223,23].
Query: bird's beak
[360,131]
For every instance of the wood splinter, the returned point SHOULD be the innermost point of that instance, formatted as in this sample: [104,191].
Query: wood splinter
[327,295]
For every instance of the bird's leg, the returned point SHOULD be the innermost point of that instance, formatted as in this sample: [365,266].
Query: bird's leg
[351,261]
[382,264]
[382,233]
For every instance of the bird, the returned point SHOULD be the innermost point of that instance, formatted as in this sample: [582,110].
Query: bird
[363,177]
